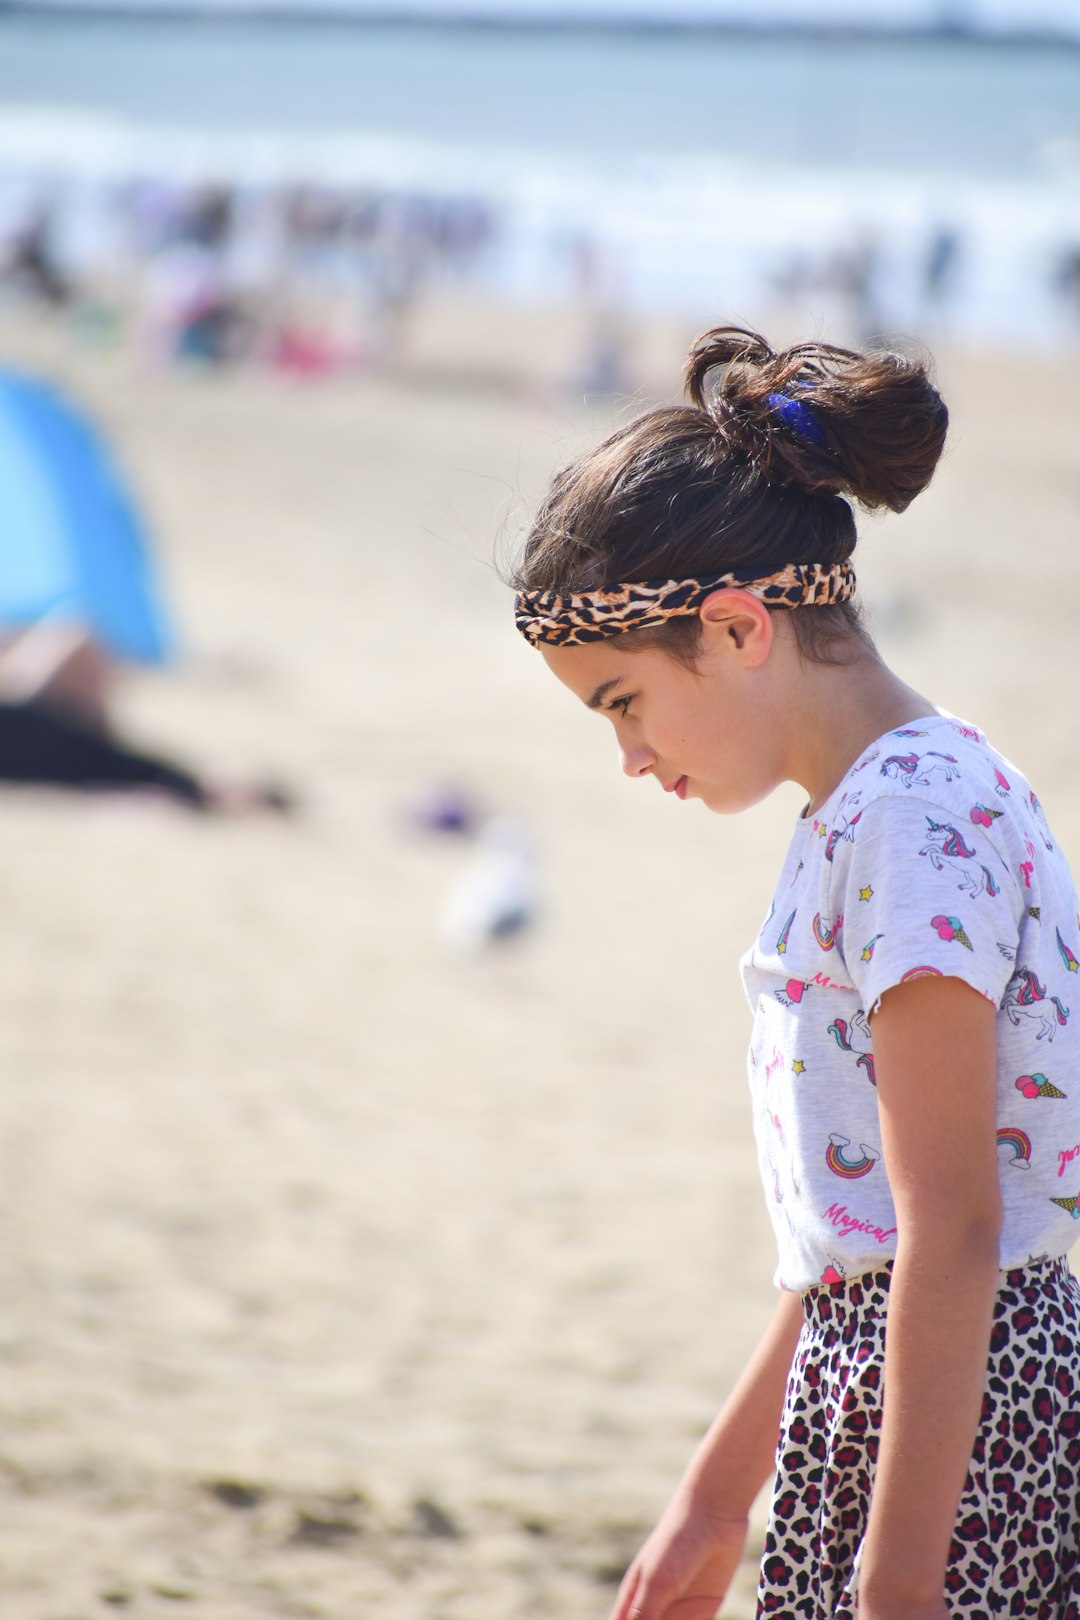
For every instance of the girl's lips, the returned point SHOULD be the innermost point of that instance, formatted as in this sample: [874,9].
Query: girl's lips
[678,787]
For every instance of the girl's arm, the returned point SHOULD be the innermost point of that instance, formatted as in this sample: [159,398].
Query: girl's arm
[686,1566]
[936,1062]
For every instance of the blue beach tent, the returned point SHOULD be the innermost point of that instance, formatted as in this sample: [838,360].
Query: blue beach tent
[71,543]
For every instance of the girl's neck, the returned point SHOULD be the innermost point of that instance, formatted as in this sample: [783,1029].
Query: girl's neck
[844,708]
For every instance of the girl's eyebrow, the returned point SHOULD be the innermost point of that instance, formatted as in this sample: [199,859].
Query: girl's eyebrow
[602,691]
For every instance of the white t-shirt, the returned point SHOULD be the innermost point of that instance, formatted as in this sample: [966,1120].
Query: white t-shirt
[931,856]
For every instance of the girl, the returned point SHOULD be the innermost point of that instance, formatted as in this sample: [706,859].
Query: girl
[914,1063]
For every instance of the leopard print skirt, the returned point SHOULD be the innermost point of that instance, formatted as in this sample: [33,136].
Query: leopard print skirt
[1016,1544]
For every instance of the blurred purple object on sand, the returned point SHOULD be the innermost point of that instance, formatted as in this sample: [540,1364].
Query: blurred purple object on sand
[445,809]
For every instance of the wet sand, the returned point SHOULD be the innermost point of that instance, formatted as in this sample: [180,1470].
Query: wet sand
[344,1275]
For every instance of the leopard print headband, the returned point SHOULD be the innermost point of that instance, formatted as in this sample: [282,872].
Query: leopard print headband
[570,621]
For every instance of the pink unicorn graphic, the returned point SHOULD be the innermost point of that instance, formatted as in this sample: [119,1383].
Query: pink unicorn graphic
[944,765]
[1025,997]
[843,832]
[842,1031]
[916,770]
[945,846]
[902,766]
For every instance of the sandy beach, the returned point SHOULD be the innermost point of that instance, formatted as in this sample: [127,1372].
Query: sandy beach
[343,1275]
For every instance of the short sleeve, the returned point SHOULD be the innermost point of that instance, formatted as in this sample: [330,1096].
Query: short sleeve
[922,896]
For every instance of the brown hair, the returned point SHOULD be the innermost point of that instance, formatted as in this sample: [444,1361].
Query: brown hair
[727,482]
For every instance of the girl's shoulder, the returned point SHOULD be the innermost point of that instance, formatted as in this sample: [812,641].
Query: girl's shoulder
[950,774]
[923,863]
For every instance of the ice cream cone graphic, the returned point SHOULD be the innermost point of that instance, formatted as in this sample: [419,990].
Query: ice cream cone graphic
[1071,1204]
[1037,1085]
[951,928]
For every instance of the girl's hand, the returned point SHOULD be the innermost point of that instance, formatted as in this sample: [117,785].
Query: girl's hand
[685,1568]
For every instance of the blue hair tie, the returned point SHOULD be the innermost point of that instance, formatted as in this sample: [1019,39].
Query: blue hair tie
[799,418]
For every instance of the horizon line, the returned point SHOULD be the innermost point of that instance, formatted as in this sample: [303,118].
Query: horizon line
[557,20]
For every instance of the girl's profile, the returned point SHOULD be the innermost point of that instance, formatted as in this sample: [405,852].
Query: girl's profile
[914,1061]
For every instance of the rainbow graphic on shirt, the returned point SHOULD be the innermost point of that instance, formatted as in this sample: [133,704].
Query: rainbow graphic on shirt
[782,942]
[826,936]
[852,1166]
[921,973]
[1066,955]
[1037,1085]
[1071,1204]
[1019,1144]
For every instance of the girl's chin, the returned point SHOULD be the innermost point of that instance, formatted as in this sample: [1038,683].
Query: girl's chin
[731,802]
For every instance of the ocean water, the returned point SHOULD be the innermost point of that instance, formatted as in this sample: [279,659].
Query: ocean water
[921,105]
[702,166]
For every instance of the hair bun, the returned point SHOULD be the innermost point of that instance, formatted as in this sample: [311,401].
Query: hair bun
[870,426]
[722,346]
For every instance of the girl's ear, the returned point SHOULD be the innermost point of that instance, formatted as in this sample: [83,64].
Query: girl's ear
[738,622]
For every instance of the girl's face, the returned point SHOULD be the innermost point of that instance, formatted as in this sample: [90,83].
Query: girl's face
[703,732]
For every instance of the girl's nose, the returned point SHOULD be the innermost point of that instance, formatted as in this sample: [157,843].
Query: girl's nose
[637,761]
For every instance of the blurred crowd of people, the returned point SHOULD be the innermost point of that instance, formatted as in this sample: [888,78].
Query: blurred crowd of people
[314,279]
[305,278]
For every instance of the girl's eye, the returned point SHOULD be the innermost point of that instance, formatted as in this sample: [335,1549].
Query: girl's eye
[620,705]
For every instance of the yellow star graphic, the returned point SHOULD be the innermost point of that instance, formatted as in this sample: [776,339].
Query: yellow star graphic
[798,1067]
[867,953]
[822,829]
[867,893]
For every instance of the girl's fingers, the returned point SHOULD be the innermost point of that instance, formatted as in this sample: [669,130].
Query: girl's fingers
[627,1592]
[654,1598]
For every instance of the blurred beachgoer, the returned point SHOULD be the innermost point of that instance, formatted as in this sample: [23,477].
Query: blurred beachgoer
[597,281]
[56,729]
[31,263]
[400,269]
[916,1037]
[793,277]
[40,747]
[939,268]
[1068,279]
[311,284]
[192,311]
[855,274]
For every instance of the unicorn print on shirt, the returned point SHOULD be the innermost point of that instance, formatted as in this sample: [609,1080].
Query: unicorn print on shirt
[946,848]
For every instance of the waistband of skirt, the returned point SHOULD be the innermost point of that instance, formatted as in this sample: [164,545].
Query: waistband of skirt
[868,1295]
